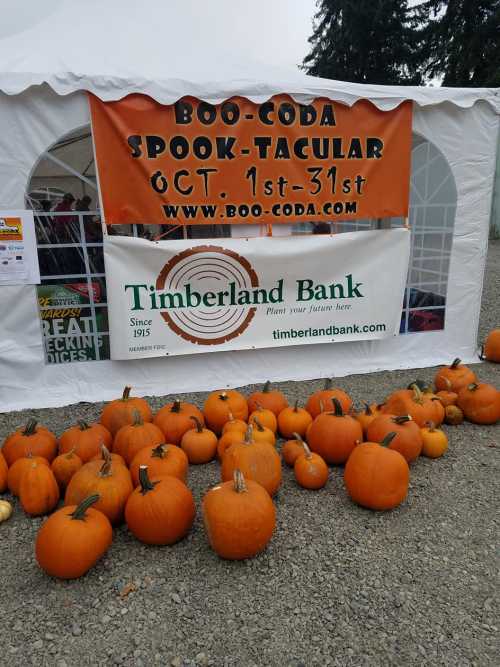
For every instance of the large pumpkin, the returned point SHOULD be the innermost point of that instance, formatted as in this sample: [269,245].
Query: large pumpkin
[72,540]
[408,439]
[17,470]
[161,460]
[377,477]
[38,491]
[85,439]
[220,405]
[293,420]
[480,403]
[333,435]
[111,481]
[270,399]
[174,419]
[457,374]
[421,407]
[159,511]
[131,438]
[64,467]
[239,517]
[3,473]
[256,460]
[120,412]
[322,401]
[492,346]
[32,439]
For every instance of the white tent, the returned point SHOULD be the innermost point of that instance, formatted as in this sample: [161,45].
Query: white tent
[168,50]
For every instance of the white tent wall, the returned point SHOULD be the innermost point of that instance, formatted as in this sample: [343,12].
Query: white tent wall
[32,121]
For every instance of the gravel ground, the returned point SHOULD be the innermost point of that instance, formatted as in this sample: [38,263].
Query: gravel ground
[338,585]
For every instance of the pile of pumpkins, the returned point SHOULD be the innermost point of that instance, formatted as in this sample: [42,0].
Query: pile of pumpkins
[132,465]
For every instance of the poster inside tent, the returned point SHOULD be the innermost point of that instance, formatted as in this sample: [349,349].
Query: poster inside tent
[18,253]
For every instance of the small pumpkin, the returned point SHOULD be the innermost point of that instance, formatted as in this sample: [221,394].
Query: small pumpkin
[85,439]
[120,412]
[5,510]
[159,511]
[453,415]
[377,477]
[293,420]
[310,469]
[174,419]
[256,460]
[365,417]
[270,399]
[266,417]
[3,473]
[199,444]
[239,517]
[457,374]
[446,396]
[408,439]
[227,439]
[73,539]
[32,439]
[480,403]
[421,407]
[291,450]
[17,470]
[220,404]
[333,435]
[38,490]
[109,480]
[131,438]
[64,467]
[491,349]
[161,460]
[234,425]
[262,433]
[435,441]
[322,401]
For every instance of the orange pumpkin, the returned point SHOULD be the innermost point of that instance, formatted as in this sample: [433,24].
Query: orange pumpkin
[446,396]
[492,346]
[408,438]
[38,490]
[266,418]
[32,439]
[227,439]
[64,467]
[110,480]
[131,438]
[421,407]
[220,404]
[435,441]
[310,469]
[256,460]
[174,419]
[3,473]
[161,460]
[453,415]
[333,435]
[85,439]
[239,518]
[199,444]
[480,403]
[365,417]
[293,420]
[270,399]
[457,374]
[159,511]
[17,470]
[120,412]
[322,401]
[262,433]
[377,477]
[234,425]
[72,540]
[292,449]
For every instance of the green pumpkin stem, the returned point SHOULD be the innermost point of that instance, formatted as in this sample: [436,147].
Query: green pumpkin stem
[456,362]
[338,412]
[388,439]
[79,512]
[417,394]
[239,481]
[296,406]
[266,387]
[402,419]
[197,422]
[176,407]
[126,393]
[30,428]
[82,425]
[145,482]
[105,470]
[473,387]
[159,451]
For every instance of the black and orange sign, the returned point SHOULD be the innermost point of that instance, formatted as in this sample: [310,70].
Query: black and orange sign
[240,162]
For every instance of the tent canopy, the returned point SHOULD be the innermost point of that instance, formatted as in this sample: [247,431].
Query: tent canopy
[182,47]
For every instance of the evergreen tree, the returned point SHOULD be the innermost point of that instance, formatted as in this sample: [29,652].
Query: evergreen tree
[461,41]
[365,41]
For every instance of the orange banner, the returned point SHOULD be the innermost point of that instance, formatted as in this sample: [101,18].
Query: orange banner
[240,162]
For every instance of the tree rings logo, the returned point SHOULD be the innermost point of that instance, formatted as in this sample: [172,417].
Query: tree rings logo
[216,273]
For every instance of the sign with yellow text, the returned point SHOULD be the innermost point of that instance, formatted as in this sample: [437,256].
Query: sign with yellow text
[240,162]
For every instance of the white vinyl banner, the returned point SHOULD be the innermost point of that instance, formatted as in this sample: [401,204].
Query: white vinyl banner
[183,297]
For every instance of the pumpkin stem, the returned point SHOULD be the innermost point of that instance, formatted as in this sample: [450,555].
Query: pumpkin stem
[431,426]
[456,362]
[83,425]
[321,405]
[105,470]
[307,451]
[223,396]
[328,384]
[447,383]
[239,481]
[176,407]
[338,412]
[258,424]
[197,422]
[71,453]
[296,406]
[380,406]
[417,393]
[266,387]
[158,452]
[126,393]
[481,354]
[145,482]
[138,421]
[79,512]
[30,428]
[368,410]
[388,439]
[473,387]
[231,416]
[402,419]
[249,435]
